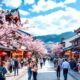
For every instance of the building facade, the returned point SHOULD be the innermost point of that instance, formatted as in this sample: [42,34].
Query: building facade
[72,45]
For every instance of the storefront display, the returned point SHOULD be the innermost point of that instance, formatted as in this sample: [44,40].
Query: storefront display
[17,53]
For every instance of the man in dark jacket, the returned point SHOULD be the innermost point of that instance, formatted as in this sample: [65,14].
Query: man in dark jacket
[3,71]
[15,67]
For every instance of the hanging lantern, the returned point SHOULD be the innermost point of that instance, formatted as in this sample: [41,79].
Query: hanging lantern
[0,53]
[19,51]
[3,53]
[28,54]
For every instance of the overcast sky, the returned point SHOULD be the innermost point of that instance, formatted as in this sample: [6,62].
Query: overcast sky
[47,16]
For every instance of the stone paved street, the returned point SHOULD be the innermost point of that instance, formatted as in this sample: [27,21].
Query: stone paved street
[46,73]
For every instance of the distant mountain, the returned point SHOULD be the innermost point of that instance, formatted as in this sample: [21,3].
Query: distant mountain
[54,37]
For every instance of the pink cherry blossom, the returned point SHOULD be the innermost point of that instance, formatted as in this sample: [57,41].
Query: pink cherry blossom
[10,37]
[57,48]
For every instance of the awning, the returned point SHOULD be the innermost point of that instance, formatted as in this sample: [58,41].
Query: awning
[76,51]
[3,48]
[78,46]
[70,47]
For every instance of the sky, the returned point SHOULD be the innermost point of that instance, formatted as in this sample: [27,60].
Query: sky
[46,16]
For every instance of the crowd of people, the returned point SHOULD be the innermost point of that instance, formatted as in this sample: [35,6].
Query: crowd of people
[33,67]
[66,65]
[13,64]
[32,70]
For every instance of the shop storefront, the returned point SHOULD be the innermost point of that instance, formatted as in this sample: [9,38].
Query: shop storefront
[18,53]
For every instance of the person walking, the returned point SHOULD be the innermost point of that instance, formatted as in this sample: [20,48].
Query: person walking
[15,68]
[3,71]
[34,70]
[65,66]
[55,62]
[10,65]
[30,64]
[22,63]
[41,62]
[58,69]
[44,60]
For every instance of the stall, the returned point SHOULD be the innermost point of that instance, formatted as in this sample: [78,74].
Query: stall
[18,53]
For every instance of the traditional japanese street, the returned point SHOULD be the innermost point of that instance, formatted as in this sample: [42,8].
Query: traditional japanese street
[39,39]
[47,73]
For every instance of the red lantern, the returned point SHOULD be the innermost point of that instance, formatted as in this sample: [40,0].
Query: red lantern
[0,54]
[3,54]
[28,54]
[19,51]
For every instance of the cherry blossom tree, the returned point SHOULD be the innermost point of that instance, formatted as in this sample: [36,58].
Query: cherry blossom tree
[35,46]
[39,46]
[11,38]
[57,48]
[7,31]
